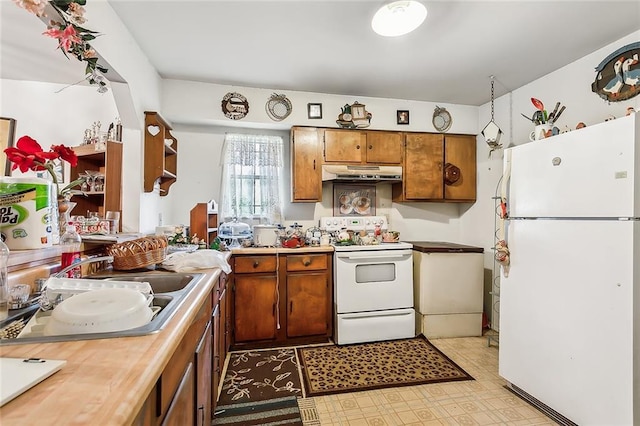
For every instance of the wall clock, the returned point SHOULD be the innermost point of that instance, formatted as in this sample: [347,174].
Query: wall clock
[441,119]
[235,106]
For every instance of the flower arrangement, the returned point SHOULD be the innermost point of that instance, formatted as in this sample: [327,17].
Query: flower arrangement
[72,38]
[179,237]
[28,155]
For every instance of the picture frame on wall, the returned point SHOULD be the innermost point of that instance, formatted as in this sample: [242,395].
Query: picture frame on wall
[402,116]
[354,200]
[314,111]
[7,135]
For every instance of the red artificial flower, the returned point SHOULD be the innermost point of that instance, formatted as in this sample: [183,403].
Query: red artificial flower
[28,154]
[67,37]
[65,153]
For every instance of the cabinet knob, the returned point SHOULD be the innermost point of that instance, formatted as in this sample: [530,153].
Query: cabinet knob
[357,146]
[256,263]
[306,262]
[451,174]
[370,146]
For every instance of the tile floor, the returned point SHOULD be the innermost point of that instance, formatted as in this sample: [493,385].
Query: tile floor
[483,401]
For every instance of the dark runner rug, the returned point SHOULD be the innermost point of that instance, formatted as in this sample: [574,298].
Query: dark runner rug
[280,411]
[351,368]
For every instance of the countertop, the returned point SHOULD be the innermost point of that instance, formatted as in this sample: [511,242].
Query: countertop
[282,250]
[443,247]
[105,382]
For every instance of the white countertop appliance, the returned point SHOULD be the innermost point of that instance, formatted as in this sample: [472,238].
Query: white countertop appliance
[265,235]
[569,305]
[373,285]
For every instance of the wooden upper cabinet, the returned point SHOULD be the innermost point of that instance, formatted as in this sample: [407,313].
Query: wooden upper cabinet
[460,150]
[306,176]
[384,147]
[427,156]
[422,172]
[344,146]
[359,146]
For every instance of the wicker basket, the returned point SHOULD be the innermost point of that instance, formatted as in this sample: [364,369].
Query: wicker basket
[138,253]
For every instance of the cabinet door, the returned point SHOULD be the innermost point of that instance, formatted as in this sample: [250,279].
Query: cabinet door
[203,379]
[307,301]
[255,307]
[460,150]
[181,411]
[423,168]
[217,363]
[305,165]
[344,146]
[384,147]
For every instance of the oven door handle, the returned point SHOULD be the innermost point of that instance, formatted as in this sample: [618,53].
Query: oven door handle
[370,256]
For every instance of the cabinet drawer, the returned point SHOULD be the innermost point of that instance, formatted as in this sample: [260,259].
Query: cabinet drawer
[252,264]
[307,262]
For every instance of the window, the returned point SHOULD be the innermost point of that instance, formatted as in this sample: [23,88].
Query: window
[253,166]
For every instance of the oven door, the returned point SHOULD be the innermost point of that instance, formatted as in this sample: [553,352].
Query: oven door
[373,280]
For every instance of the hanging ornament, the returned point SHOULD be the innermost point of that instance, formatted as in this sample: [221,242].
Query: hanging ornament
[491,131]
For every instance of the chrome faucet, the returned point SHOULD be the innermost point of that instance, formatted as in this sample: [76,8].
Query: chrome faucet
[45,303]
[60,273]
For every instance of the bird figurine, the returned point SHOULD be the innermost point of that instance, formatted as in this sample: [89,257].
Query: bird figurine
[631,76]
[613,87]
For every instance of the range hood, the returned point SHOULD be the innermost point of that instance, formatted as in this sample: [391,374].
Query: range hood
[351,173]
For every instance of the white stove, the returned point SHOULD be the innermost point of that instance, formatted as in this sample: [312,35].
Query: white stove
[373,285]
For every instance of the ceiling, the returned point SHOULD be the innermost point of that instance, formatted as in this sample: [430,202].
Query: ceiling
[328,46]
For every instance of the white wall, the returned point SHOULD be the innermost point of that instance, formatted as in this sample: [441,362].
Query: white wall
[54,114]
[570,85]
[199,104]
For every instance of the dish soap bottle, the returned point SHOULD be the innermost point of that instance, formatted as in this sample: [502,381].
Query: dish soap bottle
[70,242]
[4,281]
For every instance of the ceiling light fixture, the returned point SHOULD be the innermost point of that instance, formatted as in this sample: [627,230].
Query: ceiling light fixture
[398,18]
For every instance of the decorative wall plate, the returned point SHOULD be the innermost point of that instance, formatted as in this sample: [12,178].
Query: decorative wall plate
[235,106]
[618,75]
[441,119]
[278,107]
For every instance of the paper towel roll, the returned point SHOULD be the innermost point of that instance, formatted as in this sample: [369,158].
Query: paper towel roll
[26,207]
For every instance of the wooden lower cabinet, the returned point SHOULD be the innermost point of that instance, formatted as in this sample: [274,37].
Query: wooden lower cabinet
[221,342]
[307,302]
[204,364]
[187,390]
[180,411]
[288,302]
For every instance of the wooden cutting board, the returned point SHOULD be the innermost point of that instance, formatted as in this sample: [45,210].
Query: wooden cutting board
[19,374]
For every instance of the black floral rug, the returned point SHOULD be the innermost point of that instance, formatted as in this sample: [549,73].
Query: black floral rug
[261,375]
[351,368]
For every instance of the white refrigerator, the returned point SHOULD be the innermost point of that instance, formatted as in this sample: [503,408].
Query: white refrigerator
[570,298]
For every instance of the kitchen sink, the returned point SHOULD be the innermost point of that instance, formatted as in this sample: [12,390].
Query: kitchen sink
[160,282]
[169,291]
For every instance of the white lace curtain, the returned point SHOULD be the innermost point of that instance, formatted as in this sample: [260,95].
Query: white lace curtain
[252,171]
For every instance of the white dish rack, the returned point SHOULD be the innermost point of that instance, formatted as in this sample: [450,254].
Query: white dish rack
[58,289]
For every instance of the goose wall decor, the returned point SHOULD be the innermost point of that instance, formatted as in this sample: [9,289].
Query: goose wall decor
[631,76]
[617,78]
